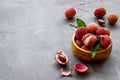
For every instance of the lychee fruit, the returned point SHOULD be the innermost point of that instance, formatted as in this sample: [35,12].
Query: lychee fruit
[89,39]
[112,18]
[105,41]
[99,12]
[85,47]
[80,32]
[70,12]
[103,31]
[78,42]
[92,27]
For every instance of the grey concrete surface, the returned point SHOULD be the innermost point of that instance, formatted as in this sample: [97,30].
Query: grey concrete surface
[32,31]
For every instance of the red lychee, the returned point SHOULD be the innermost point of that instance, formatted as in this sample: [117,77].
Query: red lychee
[100,12]
[92,27]
[80,32]
[78,42]
[85,47]
[105,41]
[103,31]
[89,39]
[112,18]
[70,12]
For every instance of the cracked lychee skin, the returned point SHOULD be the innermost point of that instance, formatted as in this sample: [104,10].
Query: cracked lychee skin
[103,31]
[85,47]
[99,12]
[101,22]
[105,41]
[78,42]
[92,27]
[80,32]
[112,18]
[89,39]
[70,12]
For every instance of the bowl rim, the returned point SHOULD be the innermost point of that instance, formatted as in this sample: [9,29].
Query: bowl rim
[73,40]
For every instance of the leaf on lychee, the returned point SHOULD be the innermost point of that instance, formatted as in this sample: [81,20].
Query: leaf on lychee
[80,23]
[95,47]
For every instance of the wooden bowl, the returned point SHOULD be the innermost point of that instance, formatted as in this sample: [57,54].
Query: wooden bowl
[86,55]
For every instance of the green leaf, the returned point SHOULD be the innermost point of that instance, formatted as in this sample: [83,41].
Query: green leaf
[94,48]
[80,23]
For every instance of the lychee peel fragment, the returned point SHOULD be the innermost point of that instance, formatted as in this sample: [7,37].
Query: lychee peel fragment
[66,73]
[80,68]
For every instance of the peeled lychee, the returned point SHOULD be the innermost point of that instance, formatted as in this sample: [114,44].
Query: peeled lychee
[105,41]
[103,31]
[85,47]
[78,42]
[112,18]
[80,32]
[70,12]
[100,12]
[92,27]
[89,39]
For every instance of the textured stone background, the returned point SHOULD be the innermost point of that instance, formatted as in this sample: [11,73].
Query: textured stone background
[32,31]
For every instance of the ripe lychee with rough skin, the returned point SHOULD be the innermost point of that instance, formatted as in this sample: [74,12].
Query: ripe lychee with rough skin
[78,42]
[92,27]
[80,32]
[112,18]
[99,12]
[89,39]
[105,41]
[70,12]
[85,47]
[103,31]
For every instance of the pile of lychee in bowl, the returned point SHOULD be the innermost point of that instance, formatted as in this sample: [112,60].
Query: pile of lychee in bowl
[92,43]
